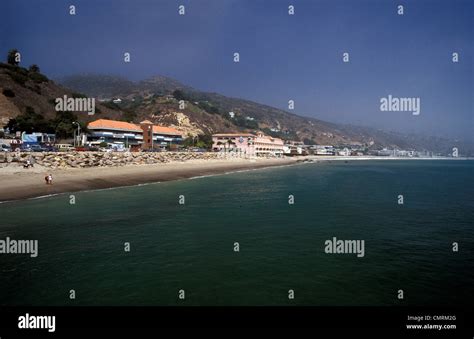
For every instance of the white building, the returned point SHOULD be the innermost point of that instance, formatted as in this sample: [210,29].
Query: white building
[344,152]
[294,148]
[324,150]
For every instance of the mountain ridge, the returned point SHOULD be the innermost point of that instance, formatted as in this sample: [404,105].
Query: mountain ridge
[158,99]
[318,131]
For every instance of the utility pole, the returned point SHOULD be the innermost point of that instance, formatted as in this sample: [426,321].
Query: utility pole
[151,137]
[78,134]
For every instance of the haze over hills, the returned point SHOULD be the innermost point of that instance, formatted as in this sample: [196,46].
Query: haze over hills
[209,112]
[107,86]
[157,99]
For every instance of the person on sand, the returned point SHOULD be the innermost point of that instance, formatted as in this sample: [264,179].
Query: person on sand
[49,179]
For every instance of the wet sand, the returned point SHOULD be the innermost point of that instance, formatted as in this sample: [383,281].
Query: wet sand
[17,183]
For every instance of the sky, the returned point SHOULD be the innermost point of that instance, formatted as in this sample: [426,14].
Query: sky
[282,57]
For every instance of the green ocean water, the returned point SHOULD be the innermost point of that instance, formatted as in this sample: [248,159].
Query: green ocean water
[191,246]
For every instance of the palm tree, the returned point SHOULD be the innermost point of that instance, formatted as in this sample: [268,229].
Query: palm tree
[230,142]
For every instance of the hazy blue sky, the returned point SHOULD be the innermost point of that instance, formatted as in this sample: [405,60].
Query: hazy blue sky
[282,57]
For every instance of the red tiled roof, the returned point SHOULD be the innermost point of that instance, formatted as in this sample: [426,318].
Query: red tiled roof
[127,126]
[114,124]
[165,130]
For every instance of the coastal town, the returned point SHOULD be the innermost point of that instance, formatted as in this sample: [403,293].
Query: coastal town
[55,139]
[111,153]
[105,136]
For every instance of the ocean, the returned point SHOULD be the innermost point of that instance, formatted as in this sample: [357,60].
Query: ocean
[281,246]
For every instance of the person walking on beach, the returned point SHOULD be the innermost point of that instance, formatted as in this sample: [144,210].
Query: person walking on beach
[49,179]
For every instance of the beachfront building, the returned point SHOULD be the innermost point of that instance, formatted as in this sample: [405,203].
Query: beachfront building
[234,142]
[121,132]
[292,148]
[247,144]
[36,138]
[323,150]
[345,152]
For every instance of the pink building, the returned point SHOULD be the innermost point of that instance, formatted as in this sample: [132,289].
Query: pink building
[248,144]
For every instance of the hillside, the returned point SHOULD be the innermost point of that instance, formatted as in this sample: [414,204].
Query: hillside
[209,113]
[23,92]
[31,95]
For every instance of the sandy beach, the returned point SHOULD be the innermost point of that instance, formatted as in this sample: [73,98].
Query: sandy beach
[19,183]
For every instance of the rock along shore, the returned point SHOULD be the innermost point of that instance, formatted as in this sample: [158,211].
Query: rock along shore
[60,160]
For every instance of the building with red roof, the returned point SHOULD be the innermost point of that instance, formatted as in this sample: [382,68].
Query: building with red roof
[113,131]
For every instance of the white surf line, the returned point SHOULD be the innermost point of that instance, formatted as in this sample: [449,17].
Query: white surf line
[302,162]
[149,183]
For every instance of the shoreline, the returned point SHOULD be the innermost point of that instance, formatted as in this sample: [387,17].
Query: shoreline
[24,184]
[19,184]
